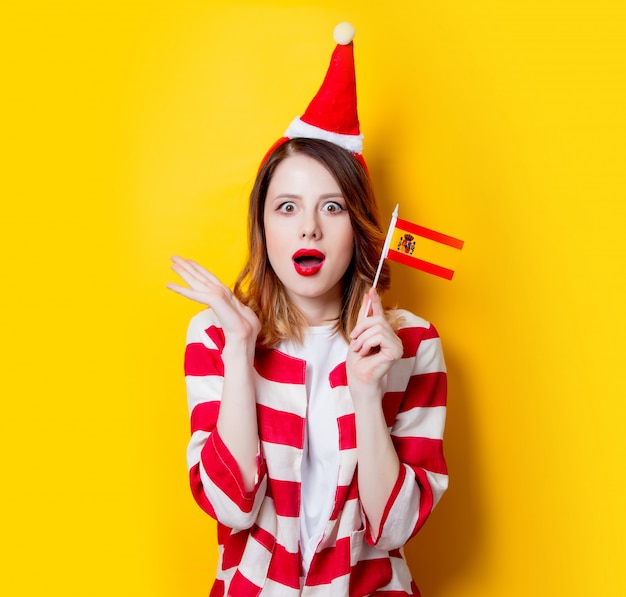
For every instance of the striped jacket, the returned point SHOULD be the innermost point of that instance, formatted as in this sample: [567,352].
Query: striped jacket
[258,531]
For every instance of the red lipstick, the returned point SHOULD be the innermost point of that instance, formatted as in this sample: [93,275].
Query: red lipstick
[308,261]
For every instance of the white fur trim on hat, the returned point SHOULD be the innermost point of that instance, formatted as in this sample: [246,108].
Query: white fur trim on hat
[298,128]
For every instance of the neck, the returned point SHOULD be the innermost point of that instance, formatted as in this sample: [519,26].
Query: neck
[317,311]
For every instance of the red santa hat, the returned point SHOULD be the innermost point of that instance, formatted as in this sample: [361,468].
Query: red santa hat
[332,114]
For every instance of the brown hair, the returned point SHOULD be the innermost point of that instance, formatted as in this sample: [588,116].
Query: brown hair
[259,287]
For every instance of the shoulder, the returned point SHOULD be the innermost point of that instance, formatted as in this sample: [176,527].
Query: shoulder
[405,320]
[417,334]
[205,328]
[204,319]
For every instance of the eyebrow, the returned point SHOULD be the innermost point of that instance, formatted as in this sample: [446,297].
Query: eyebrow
[292,196]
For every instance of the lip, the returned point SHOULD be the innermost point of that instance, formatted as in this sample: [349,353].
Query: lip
[308,270]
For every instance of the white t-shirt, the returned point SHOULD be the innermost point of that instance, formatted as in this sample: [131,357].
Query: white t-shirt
[323,351]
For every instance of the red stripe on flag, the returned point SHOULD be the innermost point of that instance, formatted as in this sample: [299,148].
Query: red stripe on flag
[438,237]
[425,266]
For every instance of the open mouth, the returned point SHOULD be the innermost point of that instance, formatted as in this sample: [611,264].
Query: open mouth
[308,261]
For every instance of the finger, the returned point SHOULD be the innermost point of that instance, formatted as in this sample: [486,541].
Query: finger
[205,273]
[378,337]
[195,270]
[183,290]
[362,316]
[368,305]
[181,265]
[378,352]
[371,341]
[365,335]
[216,299]
[197,277]
[190,293]
[190,277]
[377,305]
[374,306]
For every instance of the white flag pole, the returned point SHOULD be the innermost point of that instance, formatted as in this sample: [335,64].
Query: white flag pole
[383,255]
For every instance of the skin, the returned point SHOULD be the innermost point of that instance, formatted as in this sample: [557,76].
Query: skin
[305,209]
[236,422]
[374,347]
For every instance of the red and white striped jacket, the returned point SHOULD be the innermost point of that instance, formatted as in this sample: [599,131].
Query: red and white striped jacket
[258,531]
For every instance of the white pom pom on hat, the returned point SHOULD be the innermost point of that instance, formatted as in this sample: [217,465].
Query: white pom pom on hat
[332,114]
[344,33]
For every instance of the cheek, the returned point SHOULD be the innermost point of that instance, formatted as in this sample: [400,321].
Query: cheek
[274,241]
[348,241]
[345,244]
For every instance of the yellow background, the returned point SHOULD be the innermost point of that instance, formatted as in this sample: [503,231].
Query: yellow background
[132,131]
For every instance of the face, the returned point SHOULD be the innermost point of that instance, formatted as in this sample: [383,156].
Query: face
[309,236]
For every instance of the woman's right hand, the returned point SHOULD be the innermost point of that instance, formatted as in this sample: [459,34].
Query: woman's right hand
[237,420]
[239,322]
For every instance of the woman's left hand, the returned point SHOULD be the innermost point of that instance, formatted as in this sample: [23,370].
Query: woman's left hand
[373,349]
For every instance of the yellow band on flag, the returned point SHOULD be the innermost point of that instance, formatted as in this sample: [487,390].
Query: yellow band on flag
[403,244]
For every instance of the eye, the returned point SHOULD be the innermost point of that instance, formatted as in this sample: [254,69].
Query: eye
[332,207]
[287,208]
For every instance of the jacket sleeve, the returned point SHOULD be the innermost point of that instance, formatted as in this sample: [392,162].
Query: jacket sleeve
[216,482]
[415,412]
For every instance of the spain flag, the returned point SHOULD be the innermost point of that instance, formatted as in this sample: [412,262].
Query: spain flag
[400,246]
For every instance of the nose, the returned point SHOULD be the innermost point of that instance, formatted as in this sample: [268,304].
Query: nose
[308,234]
[310,227]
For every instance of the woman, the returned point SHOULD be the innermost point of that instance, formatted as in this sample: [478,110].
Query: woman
[316,427]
